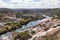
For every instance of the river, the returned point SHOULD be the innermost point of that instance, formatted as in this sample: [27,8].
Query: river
[30,24]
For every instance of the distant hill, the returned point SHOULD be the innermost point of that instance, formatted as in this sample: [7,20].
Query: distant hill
[35,10]
[55,13]
[50,12]
[5,10]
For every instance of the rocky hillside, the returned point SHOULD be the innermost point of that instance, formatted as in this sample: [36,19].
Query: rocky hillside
[50,12]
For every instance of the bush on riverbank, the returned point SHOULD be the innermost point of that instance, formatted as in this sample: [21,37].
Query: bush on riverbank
[22,36]
[13,26]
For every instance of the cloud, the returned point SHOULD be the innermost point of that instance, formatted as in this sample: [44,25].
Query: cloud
[6,1]
[29,4]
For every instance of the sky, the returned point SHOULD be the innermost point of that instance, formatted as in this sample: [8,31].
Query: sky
[29,4]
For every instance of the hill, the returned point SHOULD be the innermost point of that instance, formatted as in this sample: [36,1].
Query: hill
[50,12]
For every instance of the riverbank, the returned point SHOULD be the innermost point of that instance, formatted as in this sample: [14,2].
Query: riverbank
[14,26]
[29,25]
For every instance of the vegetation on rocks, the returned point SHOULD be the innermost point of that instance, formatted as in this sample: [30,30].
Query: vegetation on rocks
[13,26]
[22,36]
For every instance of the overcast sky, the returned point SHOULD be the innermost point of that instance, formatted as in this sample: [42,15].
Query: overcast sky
[29,4]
